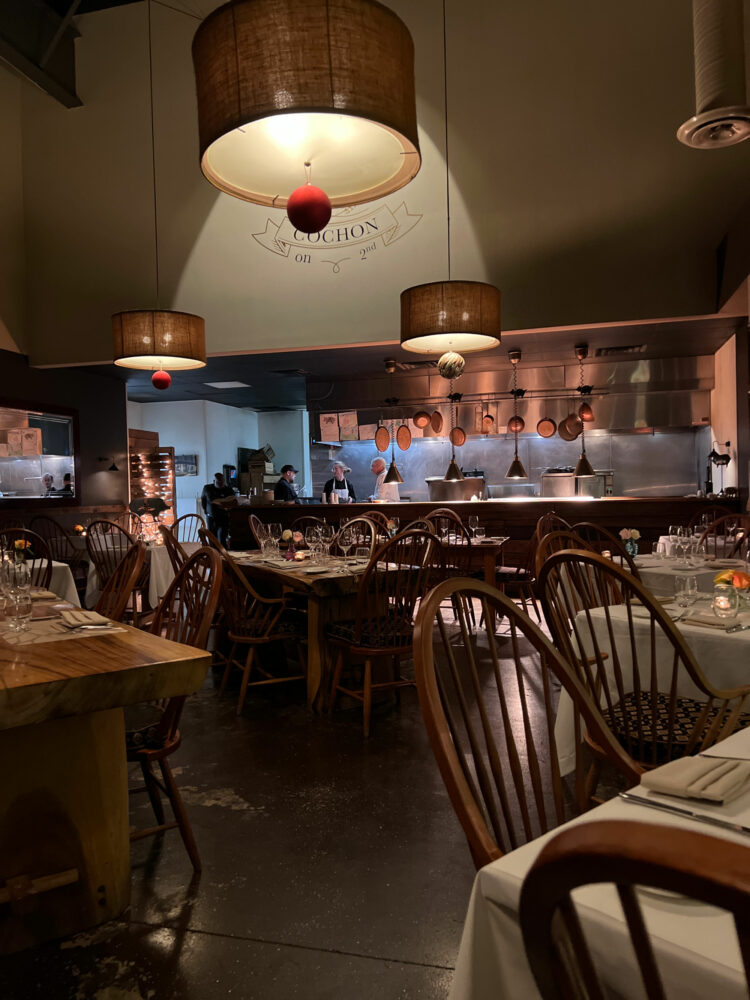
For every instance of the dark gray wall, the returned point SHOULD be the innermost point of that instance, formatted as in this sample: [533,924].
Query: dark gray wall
[102,420]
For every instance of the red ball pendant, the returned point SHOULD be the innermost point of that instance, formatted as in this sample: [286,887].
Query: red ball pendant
[309,209]
[161,380]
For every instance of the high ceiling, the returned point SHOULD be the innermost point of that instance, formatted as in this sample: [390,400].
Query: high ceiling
[569,189]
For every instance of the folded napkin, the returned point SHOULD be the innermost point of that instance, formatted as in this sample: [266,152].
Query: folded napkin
[708,619]
[80,617]
[39,594]
[709,778]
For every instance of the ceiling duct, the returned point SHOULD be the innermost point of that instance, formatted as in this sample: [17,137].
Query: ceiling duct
[722,116]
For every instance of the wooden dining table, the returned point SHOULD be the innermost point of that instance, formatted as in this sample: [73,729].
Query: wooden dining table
[331,596]
[64,826]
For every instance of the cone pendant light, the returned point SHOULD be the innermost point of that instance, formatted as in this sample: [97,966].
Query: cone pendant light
[393,475]
[583,466]
[516,469]
[453,474]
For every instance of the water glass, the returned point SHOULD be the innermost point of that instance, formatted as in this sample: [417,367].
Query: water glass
[19,611]
[725,602]
[686,590]
[362,553]
[658,550]
[479,533]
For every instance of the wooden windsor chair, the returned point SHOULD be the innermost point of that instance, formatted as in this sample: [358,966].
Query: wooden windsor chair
[481,702]
[40,561]
[555,541]
[362,532]
[252,621]
[177,555]
[184,615]
[116,595]
[107,543]
[633,661]
[444,514]
[398,576]
[380,520]
[307,521]
[600,540]
[186,528]
[257,529]
[628,855]
[728,537]
[707,516]
[420,524]
[518,577]
[58,541]
[548,522]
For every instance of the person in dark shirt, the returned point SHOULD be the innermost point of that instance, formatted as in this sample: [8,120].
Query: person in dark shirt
[218,518]
[283,490]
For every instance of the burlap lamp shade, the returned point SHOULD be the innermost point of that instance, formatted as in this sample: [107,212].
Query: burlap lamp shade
[444,316]
[281,83]
[152,338]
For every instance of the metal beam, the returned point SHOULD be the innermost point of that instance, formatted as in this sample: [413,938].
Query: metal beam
[39,44]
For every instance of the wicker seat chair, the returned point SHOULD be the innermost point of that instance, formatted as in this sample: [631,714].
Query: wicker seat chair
[633,661]
[480,703]
[184,615]
[40,563]
[399,575]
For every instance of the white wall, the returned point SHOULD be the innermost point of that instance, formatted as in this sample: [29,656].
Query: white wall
[209,430]
[724,410]
[288,433]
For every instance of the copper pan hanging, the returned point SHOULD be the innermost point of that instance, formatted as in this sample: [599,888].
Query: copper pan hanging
[421,418]
[570,428]
[487,421]
[546,427]
[457,436]
[403,437]
[382,438]
[436,421]
[516,424]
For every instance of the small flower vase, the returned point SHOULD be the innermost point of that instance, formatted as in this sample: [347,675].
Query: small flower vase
[290,551]
[631,547]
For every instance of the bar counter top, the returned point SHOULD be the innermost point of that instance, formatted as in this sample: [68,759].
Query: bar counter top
[513,516]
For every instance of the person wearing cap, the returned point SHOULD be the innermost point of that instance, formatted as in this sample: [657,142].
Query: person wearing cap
[283,490]
[340,485]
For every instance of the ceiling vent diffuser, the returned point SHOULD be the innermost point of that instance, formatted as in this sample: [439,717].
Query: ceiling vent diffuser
[722,117]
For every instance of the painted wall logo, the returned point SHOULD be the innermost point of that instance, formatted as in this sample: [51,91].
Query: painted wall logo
[351,235]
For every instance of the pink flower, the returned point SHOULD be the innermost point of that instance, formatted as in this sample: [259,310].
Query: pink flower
[625,534]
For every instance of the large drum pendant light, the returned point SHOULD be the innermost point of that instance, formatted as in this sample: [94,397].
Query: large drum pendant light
[156,339]
[456,316]
[283,84]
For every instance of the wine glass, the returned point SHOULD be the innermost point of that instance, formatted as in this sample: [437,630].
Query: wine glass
[312,535]
[675,533]
[473,523]
[20,611]
[345,539]
[686,591]
[274,531]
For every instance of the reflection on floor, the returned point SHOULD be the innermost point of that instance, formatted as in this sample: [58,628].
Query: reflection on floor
[334,868]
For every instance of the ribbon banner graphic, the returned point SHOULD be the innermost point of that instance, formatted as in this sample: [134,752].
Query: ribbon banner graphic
[356,236]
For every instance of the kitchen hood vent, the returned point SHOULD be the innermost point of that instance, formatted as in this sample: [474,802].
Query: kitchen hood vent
[722,116]
[392,365]
[608,352]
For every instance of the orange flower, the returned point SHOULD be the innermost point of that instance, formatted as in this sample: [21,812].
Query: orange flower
[22,543]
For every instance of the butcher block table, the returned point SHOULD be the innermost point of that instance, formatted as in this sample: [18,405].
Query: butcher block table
[64,827]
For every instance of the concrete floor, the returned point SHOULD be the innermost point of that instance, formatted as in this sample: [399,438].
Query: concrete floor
[333,869]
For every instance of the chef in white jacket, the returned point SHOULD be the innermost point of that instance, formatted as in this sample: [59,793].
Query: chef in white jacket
[383,490]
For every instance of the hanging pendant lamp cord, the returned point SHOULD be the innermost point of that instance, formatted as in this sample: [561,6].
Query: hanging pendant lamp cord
[153,150]
[447,158]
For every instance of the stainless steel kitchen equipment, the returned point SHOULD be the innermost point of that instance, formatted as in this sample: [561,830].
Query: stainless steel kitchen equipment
[558,483]
[598,485]
[464,489]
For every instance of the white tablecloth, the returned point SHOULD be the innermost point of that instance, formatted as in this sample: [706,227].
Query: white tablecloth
[724,660]
[659,575]
[160,576]
[62,583]
[695,945]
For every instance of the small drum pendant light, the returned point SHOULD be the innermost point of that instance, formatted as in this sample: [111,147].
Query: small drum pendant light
[157,339]
[281,83]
